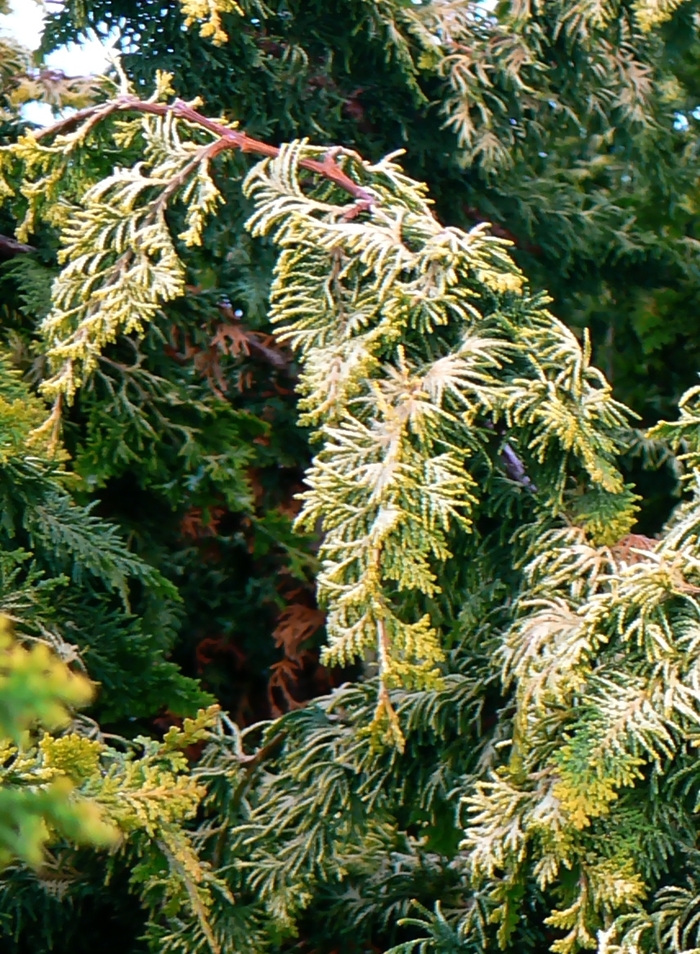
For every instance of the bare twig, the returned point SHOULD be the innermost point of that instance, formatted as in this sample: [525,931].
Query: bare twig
[514,466]
[251,763]
[256,348]
[9,247]
[227,138]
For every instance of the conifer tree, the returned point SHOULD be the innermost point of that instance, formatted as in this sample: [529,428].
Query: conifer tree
[513,763]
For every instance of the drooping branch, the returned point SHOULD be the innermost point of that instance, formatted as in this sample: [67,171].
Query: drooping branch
[358,304]
[228,138]
[91,305]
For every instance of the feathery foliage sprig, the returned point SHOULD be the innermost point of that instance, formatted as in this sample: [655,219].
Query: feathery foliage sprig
[535,662]
[411,352]
[416,341]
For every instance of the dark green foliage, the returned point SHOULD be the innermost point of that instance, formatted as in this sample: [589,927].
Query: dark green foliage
[165,548]
[594,188]
[66,571]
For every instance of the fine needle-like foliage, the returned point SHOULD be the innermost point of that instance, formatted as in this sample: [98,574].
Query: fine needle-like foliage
[62,783]
[74,788]
[417,344]
[512,765]
[35,800]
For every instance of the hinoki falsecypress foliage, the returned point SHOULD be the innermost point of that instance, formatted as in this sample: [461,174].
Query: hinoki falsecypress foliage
[64,582]
[410,356]
[514,766]
[569,126]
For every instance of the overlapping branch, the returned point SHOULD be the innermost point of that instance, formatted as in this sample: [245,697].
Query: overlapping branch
[227,137]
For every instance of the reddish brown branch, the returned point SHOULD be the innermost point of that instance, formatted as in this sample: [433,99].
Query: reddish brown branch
[500,231]
[254,345]
[227,138]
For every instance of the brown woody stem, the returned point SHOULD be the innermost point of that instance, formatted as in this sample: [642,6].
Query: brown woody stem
[227,138]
